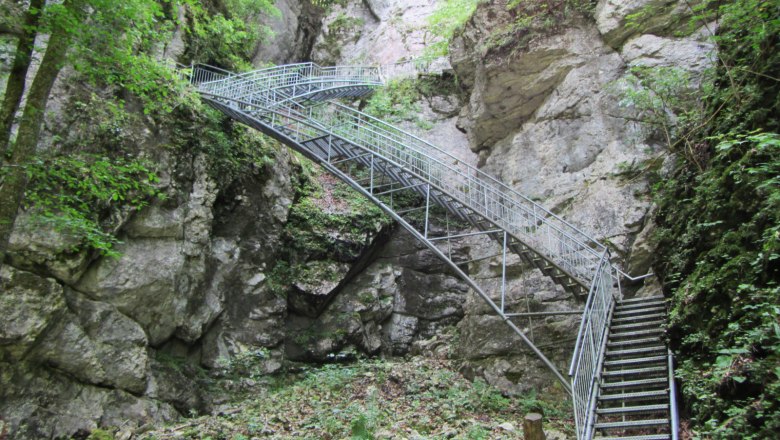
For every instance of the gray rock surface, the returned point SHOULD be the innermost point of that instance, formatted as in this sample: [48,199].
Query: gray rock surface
[293,32]
[33,246]
[87,343]
[618,20]
[97,345]
[28,305]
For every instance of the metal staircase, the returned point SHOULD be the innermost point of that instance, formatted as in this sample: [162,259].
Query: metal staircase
[636,396]
[439,199]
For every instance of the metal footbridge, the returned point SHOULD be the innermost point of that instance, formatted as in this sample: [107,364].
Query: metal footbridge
[620,377]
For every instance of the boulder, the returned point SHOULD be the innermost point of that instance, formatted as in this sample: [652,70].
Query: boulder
[618,20]
[34,246]
[29,305]
[98,345]
[508,91]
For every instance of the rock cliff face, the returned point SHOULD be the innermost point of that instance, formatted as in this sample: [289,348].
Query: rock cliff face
[89,341]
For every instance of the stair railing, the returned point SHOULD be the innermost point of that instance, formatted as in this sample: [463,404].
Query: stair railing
[582,257]
[589,350]
[539,229]
[546,233]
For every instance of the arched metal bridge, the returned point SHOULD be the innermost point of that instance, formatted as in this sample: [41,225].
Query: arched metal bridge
[620,370]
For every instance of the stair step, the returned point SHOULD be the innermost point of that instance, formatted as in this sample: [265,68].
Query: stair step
[635,371]
[644,305]
[639,437]
[636,383]
[633,342]
[639,312]
[643,299]
[633,409]
[655,394]
[633,351]
[632,424]
[639,317]
[634,361]
[623,335]
[635,325]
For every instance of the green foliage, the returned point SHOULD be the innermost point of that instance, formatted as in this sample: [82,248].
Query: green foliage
[99,434]
[747,84]
[327,222]
[666,103]
[226,36]
[116,44]
[74,194]
[232,149]
[720,244]
[399,100]
[719,227]
[531,18]
[364,400]
[396,102]
[446,20]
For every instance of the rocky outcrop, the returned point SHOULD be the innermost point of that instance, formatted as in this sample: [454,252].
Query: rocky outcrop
[88,341]
[618,20]
[374,32]
[293,31]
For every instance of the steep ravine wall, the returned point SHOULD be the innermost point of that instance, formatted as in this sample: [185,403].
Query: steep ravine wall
[89,342]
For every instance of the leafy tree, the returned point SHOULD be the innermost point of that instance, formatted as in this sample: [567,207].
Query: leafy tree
[17,77]
[719,232]
[111,45]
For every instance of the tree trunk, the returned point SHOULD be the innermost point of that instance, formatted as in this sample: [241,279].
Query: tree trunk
[13,185]
[16,80]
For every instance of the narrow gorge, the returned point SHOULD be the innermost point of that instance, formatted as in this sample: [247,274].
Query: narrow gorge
[167,265]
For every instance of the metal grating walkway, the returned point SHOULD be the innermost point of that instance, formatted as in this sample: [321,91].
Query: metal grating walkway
[441,200]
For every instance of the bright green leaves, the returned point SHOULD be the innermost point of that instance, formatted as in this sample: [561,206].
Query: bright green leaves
[227,37]
[719,242]
[449,16]
[75,194]
[396,102]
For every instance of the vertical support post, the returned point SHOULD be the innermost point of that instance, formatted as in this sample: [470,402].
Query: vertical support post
[427,207]
[484,192]
[503,274]
[449,242]
[330,146]
[371,176]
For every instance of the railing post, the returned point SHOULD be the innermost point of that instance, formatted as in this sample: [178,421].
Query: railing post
[503,274]
[427,207]
[371,176]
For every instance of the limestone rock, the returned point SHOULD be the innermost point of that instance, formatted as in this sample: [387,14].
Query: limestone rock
[35,247]
[37,403]
[684,53]
[97,345]
[309,296]
[157,222]
[386,32]
[351,319]
[168,383]
[643,250]
[508,92]
[430,297]
[293,33]
[659,17]
[29,305]
[145,283]
[400,331]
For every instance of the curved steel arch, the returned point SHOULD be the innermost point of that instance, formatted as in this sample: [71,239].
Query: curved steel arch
[379,160]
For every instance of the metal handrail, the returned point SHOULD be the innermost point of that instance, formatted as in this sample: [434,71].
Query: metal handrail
[562,243]
[585,370]
[674,413]
[271,95]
